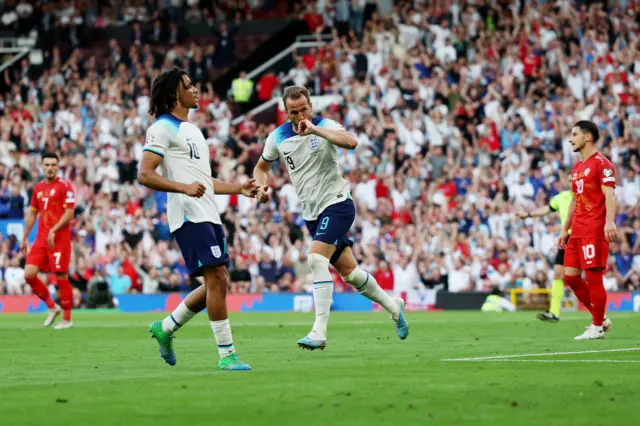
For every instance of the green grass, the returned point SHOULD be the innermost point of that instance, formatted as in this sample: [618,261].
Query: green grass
[107,371]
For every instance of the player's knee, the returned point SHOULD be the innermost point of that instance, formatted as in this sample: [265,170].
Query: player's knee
[594,275]
[216,279]
[354,276]
[558,275]
[30,272]
[318,263]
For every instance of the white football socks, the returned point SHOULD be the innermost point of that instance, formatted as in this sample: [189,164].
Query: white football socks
[179,317]
[369,288]
[222,333]
[322,294]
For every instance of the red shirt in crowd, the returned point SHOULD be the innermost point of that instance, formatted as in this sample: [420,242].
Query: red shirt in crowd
[384,279]
[266,85]
[314,21]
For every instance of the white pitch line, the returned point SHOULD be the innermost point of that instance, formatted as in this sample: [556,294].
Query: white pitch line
[562,360]
[498,357]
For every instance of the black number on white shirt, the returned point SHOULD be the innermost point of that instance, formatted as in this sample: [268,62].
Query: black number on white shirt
[193,151]
[290,163]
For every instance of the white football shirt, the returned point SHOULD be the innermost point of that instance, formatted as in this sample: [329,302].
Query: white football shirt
[312,163]
[186,160]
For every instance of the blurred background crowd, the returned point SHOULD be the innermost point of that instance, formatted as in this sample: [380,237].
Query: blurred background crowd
[462,110]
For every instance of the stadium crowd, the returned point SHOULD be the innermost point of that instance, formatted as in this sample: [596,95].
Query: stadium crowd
[462,115]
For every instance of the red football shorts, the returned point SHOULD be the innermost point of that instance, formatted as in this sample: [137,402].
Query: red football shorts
[586,253]
[54,260]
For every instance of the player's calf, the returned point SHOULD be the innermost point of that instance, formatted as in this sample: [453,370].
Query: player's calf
[367,285]
[66,296]
[217,280]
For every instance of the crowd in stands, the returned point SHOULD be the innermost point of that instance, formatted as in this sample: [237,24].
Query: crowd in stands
[462,114]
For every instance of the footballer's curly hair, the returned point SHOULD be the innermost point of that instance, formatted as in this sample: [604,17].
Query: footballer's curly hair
[164,91]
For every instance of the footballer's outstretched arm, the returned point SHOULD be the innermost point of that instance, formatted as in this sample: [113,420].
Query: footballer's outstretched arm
[148,177]
[542,211]
[610,231]
[260,175]
[248,189]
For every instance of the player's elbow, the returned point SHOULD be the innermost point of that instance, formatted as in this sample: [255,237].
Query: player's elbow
[143,177]
[352,143]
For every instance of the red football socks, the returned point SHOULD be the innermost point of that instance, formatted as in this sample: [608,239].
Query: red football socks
[66,298]
[581,290]
[598,296]
[40,290]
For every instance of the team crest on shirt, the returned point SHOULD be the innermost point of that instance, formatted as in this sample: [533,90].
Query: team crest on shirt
[586,171]
[607,172]
[314,143]
[39,195]
[216,251]
[150,140]
[69,194]
[53,191]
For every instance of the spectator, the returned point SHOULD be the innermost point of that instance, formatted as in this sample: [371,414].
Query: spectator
[266,86]
[242,89]
[119,283]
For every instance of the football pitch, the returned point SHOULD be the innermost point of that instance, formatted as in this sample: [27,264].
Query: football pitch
[455,368]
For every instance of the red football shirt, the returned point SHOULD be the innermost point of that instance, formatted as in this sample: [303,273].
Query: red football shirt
[587,180]
[266,86]
[50,200]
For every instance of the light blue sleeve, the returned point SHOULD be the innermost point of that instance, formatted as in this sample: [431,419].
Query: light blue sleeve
[330,124]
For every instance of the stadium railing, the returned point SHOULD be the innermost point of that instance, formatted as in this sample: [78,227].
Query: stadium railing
[18,46]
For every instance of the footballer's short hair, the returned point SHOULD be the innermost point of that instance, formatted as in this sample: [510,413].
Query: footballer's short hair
[295,92]
[51,155]
[589,127]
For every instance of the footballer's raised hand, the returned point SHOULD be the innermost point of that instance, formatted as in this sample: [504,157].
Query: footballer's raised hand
[195,189]
[306,127]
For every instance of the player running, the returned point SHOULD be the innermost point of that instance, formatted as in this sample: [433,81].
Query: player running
[560,203]
[181,151]
[54,201]
[308,148]
[591,220]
